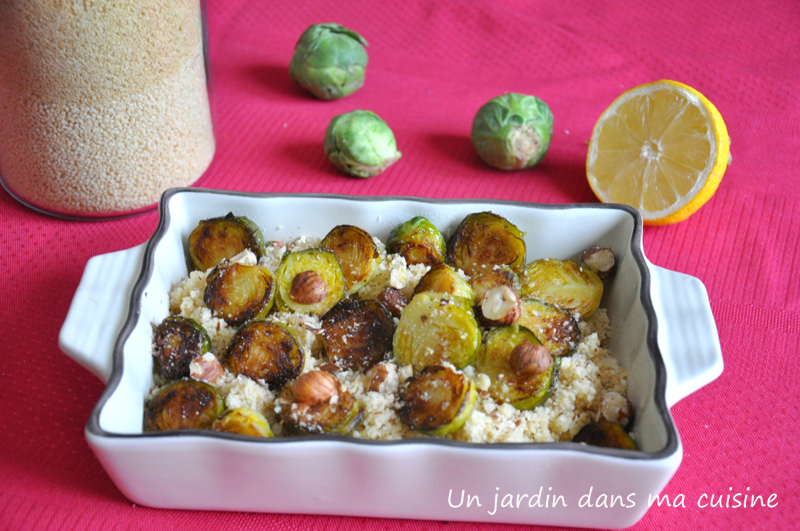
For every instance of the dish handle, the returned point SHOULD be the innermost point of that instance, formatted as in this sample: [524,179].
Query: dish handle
[687,333]
[98,309]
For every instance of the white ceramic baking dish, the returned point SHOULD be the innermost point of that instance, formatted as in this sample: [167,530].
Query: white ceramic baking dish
[663,333]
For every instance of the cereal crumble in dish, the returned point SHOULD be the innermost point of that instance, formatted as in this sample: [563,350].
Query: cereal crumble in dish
[417,336]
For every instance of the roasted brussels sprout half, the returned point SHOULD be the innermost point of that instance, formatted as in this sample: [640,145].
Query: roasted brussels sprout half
[484,240]
[607,434]
[434,329]
[563,283]
[555,327]
[360,143]
[183,405]
[329,61]
[513,382]
[418,241]
[437,400]
[441,278]
[263,350]
[512,131]
[177,341]
[244,421]
[317,403]
[238,293]
[217,239]
[356,252]
[310,281]
[357,334]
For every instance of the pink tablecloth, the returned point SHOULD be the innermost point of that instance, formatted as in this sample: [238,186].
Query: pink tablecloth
[432,64]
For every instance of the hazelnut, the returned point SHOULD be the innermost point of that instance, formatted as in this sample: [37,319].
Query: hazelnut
[377,375]
[315,387]
[500,306]
[529,359]
[394,300]
[205,368]
[615,407]
[600,259]
[308,287]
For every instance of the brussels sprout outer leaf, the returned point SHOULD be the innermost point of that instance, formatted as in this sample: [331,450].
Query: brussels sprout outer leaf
[360,144]
[329,61]
[183,405]
[512,131]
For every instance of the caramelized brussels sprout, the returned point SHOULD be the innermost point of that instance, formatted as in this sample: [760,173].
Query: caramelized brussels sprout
[441,278]
[563,283]
[555,327]
[514,384]
[437,400]
[216,239]
[433,329]
[310,281]
[317,403]
[356,252]
[238,292]
[357,334]
[244,421]
[183,405]
[418,241]
[484,240]
[263,350]
[607,434]
[177,341]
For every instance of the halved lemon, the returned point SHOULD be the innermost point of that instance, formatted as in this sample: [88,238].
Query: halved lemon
[661,148]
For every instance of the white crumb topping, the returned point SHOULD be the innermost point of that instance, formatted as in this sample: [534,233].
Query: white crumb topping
[583,380]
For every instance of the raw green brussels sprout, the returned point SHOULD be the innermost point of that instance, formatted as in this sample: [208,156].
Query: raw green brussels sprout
[357,334]
[263,350]
[317,403]
[214,240]
[178,340]
[437,400]
[244,421]
[360,144]
[512,131]
[357,254]
[238,293]
[495,360]
[183,405]
[434,329]
[555,327]
[310,281]
[441,278]
[484,240]
[418,241]
[563,283]
[607,434]
[329,61]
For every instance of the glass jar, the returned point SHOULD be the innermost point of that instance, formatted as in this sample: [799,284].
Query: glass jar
[103,104]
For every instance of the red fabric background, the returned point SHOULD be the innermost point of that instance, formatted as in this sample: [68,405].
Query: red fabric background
[432,64]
